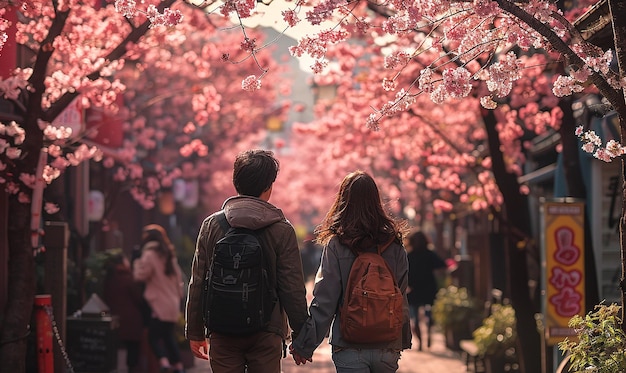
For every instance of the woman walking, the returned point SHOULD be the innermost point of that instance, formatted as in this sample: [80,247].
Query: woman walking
[355,223]
[158,268]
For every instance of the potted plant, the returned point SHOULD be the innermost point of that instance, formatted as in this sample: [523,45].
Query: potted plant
[496,336]
[601,343]
[454,311]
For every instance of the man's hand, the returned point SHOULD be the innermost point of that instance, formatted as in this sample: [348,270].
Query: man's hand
[200,349]
[297,358]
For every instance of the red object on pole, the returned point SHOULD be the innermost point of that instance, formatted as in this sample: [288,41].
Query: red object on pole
[45,353]
[9,51]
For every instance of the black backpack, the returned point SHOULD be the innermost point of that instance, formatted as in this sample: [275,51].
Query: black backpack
[239,297]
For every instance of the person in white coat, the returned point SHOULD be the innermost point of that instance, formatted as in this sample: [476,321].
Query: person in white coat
[158,268]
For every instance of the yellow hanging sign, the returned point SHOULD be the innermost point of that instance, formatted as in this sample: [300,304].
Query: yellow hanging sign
[564,249]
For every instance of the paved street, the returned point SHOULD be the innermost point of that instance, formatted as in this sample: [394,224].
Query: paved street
[437,359]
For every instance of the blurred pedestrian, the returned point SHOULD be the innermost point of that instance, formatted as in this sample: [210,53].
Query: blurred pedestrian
[423,286]
[158,268]
[356,222]
[254,173]
[124,297]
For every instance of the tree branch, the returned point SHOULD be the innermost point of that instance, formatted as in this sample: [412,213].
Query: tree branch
[611,94]
[58,106]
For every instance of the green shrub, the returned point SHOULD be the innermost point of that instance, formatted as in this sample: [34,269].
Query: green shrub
[601,344]
[453,308]
[497,332]
[96,266]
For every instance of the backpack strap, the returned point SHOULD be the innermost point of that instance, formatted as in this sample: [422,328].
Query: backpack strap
[221,219]
[382,248]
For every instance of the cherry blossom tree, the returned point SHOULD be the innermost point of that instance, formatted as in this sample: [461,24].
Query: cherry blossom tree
[182,103]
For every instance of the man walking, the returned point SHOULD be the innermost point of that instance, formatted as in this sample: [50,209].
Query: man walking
[254,173]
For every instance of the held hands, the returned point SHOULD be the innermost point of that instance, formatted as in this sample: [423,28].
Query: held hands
[297,358]
[200,349]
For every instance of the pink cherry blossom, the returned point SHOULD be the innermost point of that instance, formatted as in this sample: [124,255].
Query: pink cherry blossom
[51,208]
[251,83]
[291,17]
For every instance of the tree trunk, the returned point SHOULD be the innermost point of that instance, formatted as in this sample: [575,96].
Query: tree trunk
[21,290]
[21,277]
[518,223]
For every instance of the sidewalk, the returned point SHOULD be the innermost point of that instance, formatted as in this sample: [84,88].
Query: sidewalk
[437,359]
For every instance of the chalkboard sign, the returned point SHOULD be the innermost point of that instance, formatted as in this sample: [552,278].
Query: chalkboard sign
[91,344]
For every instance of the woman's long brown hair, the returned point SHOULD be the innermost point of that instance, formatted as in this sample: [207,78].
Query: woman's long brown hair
[357,216]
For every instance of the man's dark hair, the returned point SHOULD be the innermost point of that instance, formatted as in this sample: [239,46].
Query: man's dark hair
[254,172]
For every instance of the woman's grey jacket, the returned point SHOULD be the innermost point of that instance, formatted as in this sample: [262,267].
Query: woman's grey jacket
[330,284]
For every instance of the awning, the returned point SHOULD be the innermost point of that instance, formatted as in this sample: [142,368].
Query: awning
[537,176]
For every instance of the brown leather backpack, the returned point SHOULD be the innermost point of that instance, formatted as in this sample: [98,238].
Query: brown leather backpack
[372,309]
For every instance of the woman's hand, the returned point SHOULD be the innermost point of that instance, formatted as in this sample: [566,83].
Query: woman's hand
[297,358]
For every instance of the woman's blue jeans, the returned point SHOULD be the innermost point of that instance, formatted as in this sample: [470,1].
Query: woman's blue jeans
[366,360]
